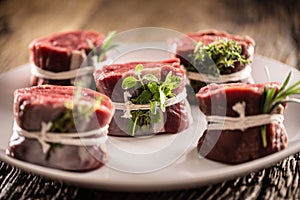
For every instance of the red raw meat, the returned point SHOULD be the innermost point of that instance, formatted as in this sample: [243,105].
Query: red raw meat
[185,48]
[236,146]
[46,103]
[108,82]
[62,52]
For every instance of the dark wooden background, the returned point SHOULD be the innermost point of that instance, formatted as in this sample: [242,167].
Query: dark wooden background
[275,26]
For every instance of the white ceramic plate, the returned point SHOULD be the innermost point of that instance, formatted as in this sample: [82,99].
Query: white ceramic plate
[156,166]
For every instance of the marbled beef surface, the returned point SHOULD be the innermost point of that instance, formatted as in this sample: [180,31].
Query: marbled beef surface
[236,146]
[54,53]
[45,103]
[108,81]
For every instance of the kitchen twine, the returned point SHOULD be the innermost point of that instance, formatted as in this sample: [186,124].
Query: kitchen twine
[240,75]
[242,122]
[77,139]
[128,106]
[82,71]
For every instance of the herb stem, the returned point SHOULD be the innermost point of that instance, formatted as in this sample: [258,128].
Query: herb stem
[264,135]
[272,98]
[105,47]
[134,125]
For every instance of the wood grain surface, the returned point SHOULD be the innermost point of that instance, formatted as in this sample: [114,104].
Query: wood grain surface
[274,25]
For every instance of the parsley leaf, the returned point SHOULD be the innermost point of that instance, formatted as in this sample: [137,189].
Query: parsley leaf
[129,82]
[149,90]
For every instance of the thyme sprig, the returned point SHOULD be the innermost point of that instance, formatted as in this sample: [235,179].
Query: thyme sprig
[75,111]
[273,97]
[105,47]
[149,90]
[78,109]
[216,56]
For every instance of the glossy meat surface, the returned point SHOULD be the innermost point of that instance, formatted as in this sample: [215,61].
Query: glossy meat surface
[108,81]
[46,103]
[56,53]
[237,146]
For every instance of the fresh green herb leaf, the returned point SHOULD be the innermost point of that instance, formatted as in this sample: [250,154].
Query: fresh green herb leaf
[162,98]
[285,83]
[217,56]
[63,122]
[152,86]
[151,91]
[272,98]
[78,110]
[139,69]
[168,78]
[134,124]
[150,77]
[105,47]
[107,41]
[153,106]
[144,98]
[290,100]
[129,82]
[91,44]
[269,98]
[176,81]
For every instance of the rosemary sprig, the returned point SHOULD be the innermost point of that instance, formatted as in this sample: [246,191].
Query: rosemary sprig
[149,90]
[216,56]
[272,98]
[105,47]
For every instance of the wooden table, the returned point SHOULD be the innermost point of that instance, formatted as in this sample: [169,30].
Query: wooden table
[275,26]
